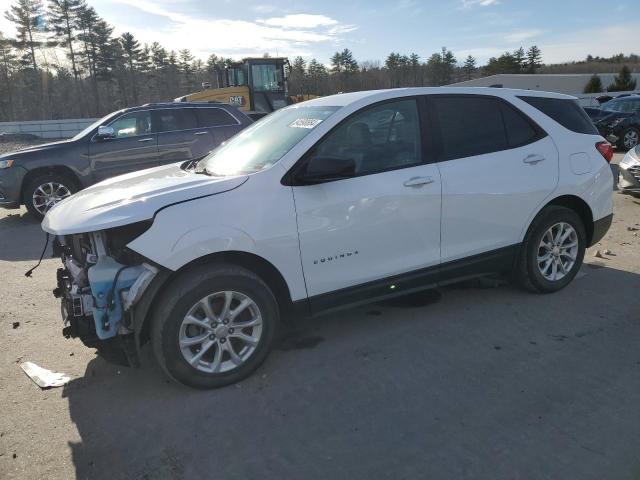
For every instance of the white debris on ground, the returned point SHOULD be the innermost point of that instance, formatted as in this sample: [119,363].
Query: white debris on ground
[42,377]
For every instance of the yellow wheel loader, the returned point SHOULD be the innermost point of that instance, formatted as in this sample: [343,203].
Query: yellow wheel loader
[256,86]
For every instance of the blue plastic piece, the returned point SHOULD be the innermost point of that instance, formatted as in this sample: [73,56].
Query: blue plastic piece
[101,276]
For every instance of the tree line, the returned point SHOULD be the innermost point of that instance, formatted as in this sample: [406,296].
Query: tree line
[66,62]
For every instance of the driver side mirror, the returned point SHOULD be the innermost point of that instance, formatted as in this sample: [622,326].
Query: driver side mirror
[321,169]
[105,133]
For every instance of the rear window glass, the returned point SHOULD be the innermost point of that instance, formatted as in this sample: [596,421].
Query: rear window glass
[469,126]
[564,111]
[215,117]
[174,119]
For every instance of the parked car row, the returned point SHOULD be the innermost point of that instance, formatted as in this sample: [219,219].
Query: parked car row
[322,205]
[121,142]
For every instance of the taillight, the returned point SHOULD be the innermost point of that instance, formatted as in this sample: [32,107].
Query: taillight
[606,150]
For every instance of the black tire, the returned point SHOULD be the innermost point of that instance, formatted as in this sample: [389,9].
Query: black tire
[526,272]
[186,291]
[53,178]
[625,132]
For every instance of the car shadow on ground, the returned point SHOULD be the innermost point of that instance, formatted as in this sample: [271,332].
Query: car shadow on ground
[482,381]
[32,238]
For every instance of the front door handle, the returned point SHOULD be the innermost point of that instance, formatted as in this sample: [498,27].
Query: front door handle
[533,159]
[145,139]
[200,133]
[418,181]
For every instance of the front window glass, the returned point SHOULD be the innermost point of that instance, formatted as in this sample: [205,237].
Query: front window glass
[267,78]
[265,142]
[382,137]
[132,124]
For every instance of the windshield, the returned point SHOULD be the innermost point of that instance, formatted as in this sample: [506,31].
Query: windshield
[623,106]
[95,124]
[265,142]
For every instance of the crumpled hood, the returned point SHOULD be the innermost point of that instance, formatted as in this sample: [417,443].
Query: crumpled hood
[132,198]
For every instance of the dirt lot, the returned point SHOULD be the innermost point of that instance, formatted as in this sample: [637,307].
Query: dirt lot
[474,382]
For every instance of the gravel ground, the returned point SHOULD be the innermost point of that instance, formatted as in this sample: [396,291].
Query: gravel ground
[478,381]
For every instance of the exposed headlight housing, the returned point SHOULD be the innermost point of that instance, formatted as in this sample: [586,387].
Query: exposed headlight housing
[6,163]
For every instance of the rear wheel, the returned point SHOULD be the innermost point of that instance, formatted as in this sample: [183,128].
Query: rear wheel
[215,326]
[44,191]
[553,250]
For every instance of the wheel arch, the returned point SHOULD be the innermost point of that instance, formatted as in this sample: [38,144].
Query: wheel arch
[578,205]
[50,170]
[252,262]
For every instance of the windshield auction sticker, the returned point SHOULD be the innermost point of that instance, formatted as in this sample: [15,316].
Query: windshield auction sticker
[305,123]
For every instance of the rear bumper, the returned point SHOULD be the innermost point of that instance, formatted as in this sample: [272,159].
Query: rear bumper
[600,229]
[10,186]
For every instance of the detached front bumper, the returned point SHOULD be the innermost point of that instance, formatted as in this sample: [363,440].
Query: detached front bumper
[10,186]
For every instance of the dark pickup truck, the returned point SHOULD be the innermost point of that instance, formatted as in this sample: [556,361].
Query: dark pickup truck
[124,141]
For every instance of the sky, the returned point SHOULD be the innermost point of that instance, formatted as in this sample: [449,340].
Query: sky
[564,29]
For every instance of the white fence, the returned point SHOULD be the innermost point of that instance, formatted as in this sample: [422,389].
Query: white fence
[48,128]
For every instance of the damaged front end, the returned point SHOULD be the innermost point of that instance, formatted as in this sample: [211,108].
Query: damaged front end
[101,282]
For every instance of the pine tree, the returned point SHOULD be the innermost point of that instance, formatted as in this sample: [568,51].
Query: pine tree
[27,17]
[186,69]
[131,58]
[594,85]
[534,59]
[623,82]
[448,66]
[297,75]
[8,66]
[159,56]
[336,63]
[469,66]
[63,20]
[349,63]
[519,58]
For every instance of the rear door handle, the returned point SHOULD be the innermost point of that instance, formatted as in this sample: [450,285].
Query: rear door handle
[533,159]
[145,139]
[200,133]
[418,181]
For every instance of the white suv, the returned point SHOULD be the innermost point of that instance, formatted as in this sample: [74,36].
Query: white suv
[330,203]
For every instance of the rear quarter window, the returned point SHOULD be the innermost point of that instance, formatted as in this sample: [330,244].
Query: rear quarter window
[564,111]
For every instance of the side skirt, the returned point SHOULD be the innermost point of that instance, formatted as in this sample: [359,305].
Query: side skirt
[494,261]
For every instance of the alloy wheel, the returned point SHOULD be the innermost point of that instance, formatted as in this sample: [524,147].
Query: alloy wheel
[48,194]
[220,332]
[557,251]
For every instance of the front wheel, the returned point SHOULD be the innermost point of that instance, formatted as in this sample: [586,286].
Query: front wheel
[214,326]
[629,138]
[553,250]
[45,191]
